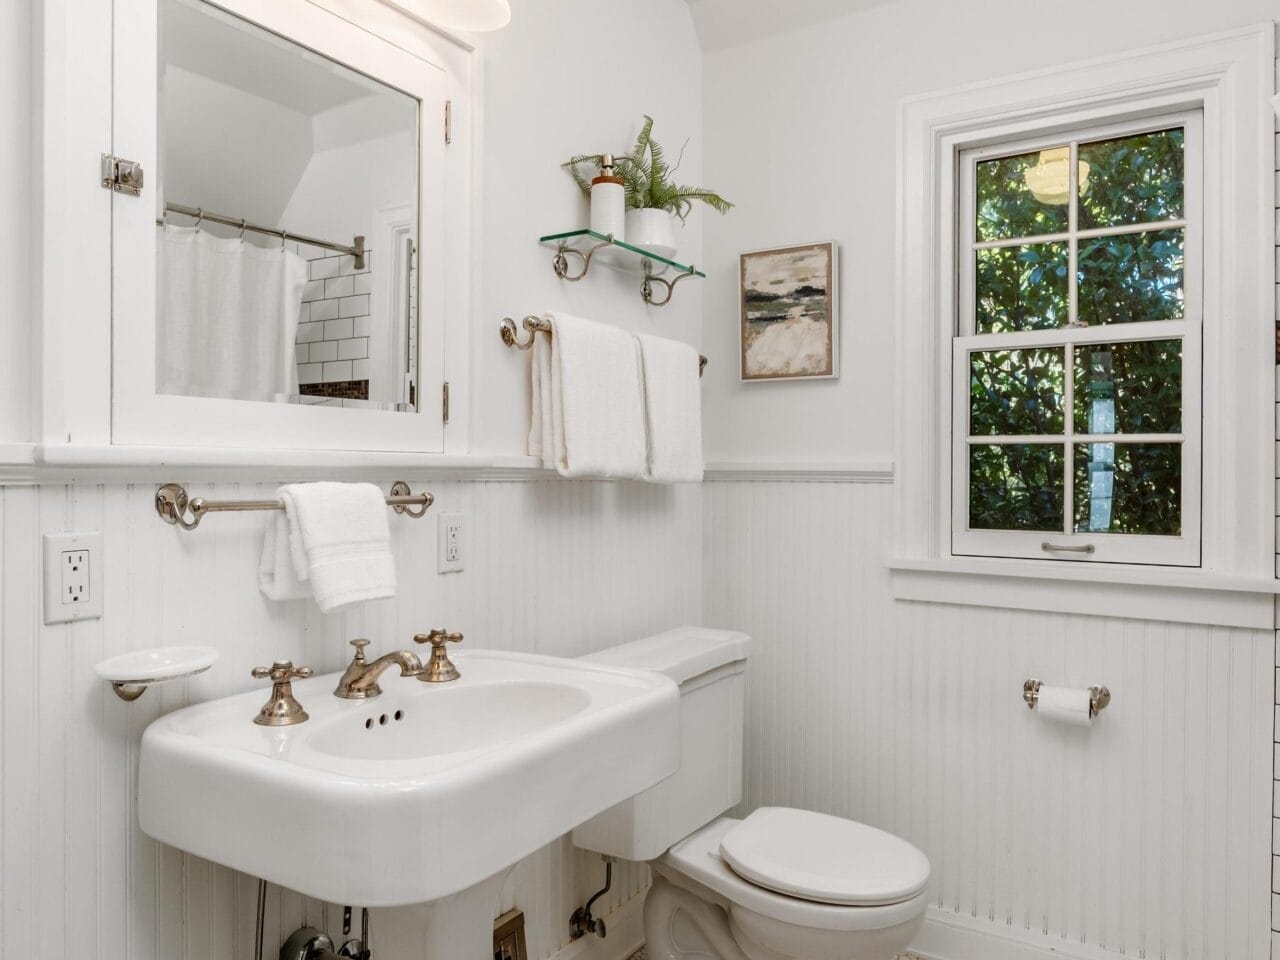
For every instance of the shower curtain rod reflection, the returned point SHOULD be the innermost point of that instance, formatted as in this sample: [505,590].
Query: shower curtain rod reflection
[356,249]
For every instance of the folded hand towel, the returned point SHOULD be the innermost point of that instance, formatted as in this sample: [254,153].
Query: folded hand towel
[588,415]
[278,578]
[673,409]
[540,433]
[339,541]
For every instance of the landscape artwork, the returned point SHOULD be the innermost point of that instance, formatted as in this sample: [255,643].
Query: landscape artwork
[789,313]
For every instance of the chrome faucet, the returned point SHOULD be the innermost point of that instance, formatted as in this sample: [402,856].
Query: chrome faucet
[360,680]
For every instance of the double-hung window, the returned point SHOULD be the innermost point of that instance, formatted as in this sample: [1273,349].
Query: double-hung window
[1076,365]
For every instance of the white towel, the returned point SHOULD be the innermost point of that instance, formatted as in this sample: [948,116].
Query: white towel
[540,433]
[339,543]
[673,410]
[588,414]
[277,577]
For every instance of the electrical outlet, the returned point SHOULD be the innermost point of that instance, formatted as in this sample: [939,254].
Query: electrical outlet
[452,534]
[72,577]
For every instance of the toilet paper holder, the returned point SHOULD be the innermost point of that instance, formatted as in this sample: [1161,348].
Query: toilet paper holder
[1099,696]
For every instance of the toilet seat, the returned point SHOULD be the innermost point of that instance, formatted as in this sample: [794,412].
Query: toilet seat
[695,864]
[824,859]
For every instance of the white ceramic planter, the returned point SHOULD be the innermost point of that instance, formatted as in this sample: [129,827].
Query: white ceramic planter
[653,230]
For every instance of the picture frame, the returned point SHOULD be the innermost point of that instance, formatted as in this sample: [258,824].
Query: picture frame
[789,319]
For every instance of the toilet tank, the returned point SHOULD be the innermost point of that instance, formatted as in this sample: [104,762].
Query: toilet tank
[710,668]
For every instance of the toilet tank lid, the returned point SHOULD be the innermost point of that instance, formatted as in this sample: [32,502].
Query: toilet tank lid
[681,654]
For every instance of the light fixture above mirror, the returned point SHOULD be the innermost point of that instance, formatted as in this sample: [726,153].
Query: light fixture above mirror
[470,15]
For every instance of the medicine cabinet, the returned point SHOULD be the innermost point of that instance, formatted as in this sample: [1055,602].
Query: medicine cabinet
[282,275]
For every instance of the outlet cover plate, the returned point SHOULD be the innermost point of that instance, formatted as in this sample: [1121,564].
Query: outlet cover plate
[451,532]
[57,546]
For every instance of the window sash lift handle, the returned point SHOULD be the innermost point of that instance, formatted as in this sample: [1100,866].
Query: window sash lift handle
[1065,548]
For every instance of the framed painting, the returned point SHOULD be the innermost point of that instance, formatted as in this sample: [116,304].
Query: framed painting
[789,319]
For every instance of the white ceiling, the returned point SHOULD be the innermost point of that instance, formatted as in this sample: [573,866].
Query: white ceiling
[206,41]
[728,23]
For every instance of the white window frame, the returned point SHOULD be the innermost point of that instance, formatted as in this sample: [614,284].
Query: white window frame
[1064,544]
[1229,79]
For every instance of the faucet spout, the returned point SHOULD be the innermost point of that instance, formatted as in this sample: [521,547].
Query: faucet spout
[360,680]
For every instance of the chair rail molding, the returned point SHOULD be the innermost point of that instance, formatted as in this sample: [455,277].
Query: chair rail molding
[834,471]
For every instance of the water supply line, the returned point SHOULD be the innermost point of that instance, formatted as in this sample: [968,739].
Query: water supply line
[262,914]
[582,922]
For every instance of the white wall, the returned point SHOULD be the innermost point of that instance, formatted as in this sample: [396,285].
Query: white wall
[221,167]
[558,567]
[573,77]
[15,213]
[1146,835]
[801,127]
[341,187]
[1156,822]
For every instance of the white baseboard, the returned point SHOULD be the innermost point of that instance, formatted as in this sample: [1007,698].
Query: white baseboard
[945,936]
[953,936]
[626,934]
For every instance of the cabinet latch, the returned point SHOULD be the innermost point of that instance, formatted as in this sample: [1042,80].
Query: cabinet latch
[122,176]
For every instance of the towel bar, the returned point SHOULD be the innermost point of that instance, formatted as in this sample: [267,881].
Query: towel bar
[173,504]
[511,335]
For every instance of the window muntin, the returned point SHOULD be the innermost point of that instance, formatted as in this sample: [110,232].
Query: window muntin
[1076,367]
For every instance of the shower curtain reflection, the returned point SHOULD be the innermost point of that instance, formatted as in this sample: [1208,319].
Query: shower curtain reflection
[228,314]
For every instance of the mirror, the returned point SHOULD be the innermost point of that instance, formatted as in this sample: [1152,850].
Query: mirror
[287,221]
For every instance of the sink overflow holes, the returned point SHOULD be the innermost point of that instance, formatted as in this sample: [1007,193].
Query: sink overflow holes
[382,720]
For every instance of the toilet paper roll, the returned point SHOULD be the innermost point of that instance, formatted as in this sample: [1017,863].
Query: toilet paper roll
[1064,704]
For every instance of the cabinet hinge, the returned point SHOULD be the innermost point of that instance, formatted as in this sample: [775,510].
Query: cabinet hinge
[448,121]
[444,402]
[122,176]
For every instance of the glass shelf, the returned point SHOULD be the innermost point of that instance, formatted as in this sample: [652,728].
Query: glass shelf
[617,254]
[558,239]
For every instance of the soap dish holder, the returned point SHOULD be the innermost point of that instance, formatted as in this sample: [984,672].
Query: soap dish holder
[131,673]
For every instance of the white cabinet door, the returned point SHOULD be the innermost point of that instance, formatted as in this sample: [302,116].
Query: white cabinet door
[142,416]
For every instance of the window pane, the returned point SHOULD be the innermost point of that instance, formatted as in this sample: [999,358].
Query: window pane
[1016,487]
[1132,180]
[1022,288]
[1016,392]
[1132,277]
[1128,488]
[1007,207]
[1129,387]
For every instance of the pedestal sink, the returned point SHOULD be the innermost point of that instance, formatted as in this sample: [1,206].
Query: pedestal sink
[427,793]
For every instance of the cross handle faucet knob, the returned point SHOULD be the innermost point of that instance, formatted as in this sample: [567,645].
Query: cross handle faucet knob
[281,671]
[440,668]
[438,637]
[282,710]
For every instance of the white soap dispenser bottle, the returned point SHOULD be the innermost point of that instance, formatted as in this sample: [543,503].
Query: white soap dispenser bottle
[608,200]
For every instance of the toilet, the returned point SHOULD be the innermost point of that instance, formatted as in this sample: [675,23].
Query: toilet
[782,884]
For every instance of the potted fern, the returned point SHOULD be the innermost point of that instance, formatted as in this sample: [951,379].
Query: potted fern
[654,201]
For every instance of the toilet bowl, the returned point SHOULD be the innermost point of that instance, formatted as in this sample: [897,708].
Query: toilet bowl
[700,906]
[782,884]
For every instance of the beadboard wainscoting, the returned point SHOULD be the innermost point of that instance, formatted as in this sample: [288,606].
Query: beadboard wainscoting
[1146,835]
[552,567]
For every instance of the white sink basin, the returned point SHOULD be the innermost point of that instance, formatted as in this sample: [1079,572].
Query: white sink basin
[414,795]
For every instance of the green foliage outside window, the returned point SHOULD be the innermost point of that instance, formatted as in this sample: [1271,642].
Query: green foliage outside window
[1127,389]
[1016,486]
